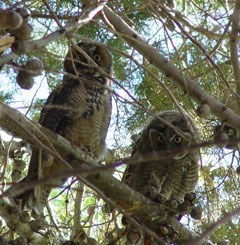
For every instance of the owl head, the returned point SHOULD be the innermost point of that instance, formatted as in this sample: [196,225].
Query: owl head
[167,132]
[80,60]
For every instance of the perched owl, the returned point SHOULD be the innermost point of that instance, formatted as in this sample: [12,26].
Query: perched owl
[79,110]
[174,170]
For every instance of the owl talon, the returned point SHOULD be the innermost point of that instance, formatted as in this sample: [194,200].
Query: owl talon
[190,197]
[151,192]
[173,204]
[153,187]
[163,231]
[160,198]
[188,203]
[173,234]
[155,182]
[167,231]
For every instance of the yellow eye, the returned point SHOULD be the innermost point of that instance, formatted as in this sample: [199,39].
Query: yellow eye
[177,139]
[97,57]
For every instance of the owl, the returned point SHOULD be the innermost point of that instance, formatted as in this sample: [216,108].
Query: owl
[166,167]
[79,110]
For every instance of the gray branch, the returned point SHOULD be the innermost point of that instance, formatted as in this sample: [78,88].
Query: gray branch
[78,163]
[168,69]
[234,46]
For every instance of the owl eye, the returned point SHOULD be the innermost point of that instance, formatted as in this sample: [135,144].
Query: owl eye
[80,57]
[97,57]
[177,139]
[160,138]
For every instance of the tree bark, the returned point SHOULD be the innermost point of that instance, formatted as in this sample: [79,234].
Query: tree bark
[79,164]
[122,29]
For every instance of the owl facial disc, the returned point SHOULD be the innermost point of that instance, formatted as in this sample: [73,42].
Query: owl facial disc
[168,142]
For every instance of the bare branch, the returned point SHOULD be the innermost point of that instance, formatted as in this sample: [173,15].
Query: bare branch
[226,217]
[168,69]
[121,195]
[234,47]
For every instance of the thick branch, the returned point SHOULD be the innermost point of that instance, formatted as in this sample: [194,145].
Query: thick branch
[16,123]
[234,43]
[170,70]
[123,197]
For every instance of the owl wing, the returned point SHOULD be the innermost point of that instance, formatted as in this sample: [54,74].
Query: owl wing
[52,114]
[190,175]
[57,112]
[51,117]
[56,116]
[130,169]
[127,174]
[138,171]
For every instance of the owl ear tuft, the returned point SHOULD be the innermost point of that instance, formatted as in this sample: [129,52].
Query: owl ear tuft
[153,137]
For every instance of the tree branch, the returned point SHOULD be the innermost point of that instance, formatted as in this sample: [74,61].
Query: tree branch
[234,47]
[86,17]
[168,69]
[214,226]
[19,223]
[123,197]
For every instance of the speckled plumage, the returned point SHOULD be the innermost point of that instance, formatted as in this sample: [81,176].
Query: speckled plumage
[79,110]
[175,170]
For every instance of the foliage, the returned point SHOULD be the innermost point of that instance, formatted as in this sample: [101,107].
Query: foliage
[198,37]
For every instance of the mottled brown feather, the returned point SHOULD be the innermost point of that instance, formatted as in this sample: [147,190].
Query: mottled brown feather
[79,110]
[173,172]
